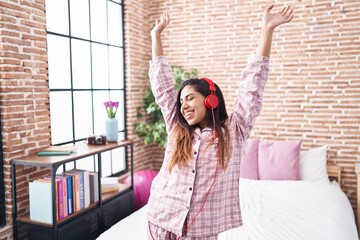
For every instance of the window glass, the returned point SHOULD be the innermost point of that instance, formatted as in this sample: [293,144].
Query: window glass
[79,15]
[100,66]
[84,163]
[100,114]
[81,64]
[83,120]
[118,156]
[116,67]
[59,62]
[57,18]
[115,24]
[120,114]
[106,163]
[60,117]
[98,21]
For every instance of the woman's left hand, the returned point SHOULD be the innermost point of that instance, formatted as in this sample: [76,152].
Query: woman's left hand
[272,20]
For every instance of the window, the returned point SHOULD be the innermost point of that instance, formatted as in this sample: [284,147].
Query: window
[86,69]
[2,187]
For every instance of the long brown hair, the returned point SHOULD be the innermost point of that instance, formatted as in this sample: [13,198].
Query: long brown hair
[182,134]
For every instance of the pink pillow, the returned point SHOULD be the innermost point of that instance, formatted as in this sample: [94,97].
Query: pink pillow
[249,163]
[279,160]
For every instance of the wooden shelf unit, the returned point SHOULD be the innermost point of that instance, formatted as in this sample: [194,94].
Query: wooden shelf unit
[97,210]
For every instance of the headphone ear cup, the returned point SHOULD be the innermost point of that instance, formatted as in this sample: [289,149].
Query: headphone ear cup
[211,101]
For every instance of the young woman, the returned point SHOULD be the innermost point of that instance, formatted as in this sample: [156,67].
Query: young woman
[196,193]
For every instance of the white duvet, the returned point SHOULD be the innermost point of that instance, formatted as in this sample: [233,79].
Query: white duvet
[296,210]
[272,210]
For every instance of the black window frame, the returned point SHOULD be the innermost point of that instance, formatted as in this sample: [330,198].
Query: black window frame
[92,90]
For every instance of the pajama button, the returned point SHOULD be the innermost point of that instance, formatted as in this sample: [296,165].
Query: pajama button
[190,189]
[195,152]
[193,171]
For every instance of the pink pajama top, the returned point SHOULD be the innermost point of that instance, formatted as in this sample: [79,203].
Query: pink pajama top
[176,198]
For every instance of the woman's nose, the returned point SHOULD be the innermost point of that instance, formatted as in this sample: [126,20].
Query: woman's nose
[184,106]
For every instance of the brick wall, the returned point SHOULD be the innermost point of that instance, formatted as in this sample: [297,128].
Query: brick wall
[137,54]
[314,84]
[313,91]
[24,92]
[24,88]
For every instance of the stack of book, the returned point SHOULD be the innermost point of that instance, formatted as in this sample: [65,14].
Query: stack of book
[75,190]
[112,184]
[109,184]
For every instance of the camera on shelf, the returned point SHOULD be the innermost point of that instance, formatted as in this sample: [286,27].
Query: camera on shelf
[96,140]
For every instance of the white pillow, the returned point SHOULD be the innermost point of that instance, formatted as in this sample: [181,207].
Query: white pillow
[313,165]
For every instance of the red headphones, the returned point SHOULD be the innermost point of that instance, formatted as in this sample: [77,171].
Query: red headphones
[211,101]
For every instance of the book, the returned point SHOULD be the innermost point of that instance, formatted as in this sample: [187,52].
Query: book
[109,189]
[63,194]
[60,149]
[94,186]
[57,151]
[86,186]
[51,153]
[70,194]
[40,199]
[109,181]
[75,189]
[68,183]
[115,188]
[57,201]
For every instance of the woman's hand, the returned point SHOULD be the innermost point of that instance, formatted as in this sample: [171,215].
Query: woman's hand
[272,20]
[160,24]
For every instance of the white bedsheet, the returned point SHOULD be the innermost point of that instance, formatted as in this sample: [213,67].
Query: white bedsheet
[296,210]
[272,210]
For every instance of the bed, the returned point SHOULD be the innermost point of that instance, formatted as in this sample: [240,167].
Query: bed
[274,210]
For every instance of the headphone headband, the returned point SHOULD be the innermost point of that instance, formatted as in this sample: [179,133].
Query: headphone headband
[211,84]
[211,101]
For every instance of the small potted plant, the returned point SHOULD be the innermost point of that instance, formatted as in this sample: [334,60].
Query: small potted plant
[111,123]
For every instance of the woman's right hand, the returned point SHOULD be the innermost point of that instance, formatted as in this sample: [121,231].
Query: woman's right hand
[160,24]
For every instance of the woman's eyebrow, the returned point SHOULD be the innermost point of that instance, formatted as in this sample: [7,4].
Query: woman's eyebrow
[187,96]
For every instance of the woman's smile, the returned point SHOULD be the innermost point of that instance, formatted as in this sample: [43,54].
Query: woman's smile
[192,106]
[188,114]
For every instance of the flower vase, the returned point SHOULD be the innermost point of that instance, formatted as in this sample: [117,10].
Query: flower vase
[111,129]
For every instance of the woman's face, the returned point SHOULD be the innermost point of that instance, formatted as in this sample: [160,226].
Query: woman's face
[192,106]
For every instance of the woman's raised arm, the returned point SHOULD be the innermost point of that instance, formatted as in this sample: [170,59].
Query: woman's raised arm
[156,44]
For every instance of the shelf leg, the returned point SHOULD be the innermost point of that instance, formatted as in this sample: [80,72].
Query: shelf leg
[13,173]
[101,214]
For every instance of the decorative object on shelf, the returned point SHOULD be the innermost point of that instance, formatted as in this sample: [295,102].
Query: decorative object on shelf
[150,126]
[111,123]
[96,139]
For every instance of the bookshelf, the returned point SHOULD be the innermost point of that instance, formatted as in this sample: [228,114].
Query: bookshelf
[87,223]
